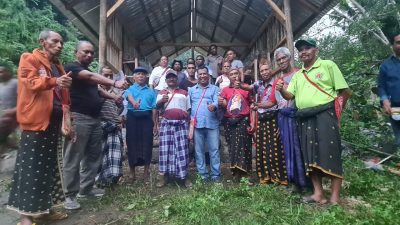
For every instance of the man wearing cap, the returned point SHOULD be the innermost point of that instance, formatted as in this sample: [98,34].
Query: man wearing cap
[174,143]
[314,87]
[140,123]
[389,83]
[82,158]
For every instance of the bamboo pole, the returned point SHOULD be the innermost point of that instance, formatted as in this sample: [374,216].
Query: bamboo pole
[289,30]
[103,33]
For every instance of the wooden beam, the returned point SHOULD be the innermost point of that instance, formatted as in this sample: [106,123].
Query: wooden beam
[71,4]
[241,20]
[217,20]
[309,6]
[103,34]
[149,24]
[114,7]
[277,11]
[289,30]
[193,44]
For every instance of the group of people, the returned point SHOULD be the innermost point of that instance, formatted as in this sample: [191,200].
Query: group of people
[292,116]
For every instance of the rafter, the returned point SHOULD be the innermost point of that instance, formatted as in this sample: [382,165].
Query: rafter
[277,11]
[149,23]
[193,44]
[241,20]
[217,20]
[71,4]
[114,7]
[170,26]
[223,28]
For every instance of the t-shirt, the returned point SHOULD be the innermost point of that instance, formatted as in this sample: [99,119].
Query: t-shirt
[177,105]
[225,82]
[213,62]
[238,102]
[264,93]
[157,78]
[110,111]
[8,94]
[186,84]
[276,96]
[236,64]
[325,74]
[85,98]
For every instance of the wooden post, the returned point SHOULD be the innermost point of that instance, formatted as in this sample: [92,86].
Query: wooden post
[289,30]
[103,33]
[255,62]
[136,62]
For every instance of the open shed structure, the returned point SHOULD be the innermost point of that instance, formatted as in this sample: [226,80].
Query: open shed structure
[129,31]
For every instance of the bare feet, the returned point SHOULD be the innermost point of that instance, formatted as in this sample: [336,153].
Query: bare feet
[315,199]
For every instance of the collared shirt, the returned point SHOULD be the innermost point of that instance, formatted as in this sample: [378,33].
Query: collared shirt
[204,118]
[325,74]
[389,80]
[264,93]
[145,94]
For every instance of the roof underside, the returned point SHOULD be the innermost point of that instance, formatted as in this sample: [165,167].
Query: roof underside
[158,21]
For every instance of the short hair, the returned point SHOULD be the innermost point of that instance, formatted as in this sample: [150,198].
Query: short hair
[176,61]
[191,63]
[6,66]
[284,51]
[204,68]
[265,62]
[104,67]
[392,36]
[44,34]
[81,42]
[200,56]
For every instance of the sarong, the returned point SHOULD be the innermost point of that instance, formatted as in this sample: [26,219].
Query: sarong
[139,137]
[239,144]
[320,139]
[270,159]
[36,185]
[291,147]
[174,148]
[111,167]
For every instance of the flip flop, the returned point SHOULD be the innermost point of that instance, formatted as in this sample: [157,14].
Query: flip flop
[310,200]
[20,223]
[53,216]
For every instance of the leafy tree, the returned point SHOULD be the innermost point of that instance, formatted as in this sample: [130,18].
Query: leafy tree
[21,25]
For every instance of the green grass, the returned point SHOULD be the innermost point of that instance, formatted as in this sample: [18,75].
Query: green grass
[370,198]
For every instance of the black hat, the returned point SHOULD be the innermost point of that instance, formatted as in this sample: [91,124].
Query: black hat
[140,69]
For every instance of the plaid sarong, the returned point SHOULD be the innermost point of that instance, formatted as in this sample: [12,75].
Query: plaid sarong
[111,168]
[174,148]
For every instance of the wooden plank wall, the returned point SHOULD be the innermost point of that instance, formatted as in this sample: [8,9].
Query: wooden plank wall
[114,44]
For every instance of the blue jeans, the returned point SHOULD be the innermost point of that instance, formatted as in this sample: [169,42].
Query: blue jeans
[203,136]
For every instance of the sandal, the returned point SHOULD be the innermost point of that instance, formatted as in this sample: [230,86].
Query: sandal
[310,200]
[52,216]
[20,223]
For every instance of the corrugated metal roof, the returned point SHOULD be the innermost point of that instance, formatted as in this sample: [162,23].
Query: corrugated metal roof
[169,20]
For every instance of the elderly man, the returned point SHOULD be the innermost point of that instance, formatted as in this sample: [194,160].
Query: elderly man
[113,145]
[157,76]
[83,157]
[140,124]
[389,85]
[287,124]
[174,142]
[203,103]
[8,102]
[315,87]
[42,87]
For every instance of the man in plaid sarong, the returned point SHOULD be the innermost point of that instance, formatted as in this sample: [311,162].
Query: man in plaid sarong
[111,167]
[174,144]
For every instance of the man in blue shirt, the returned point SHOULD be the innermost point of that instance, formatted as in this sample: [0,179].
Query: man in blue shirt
[203,98]
[140,123]
[389,85]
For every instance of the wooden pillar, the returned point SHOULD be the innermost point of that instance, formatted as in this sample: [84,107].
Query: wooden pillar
[103,33]
[255,62]
[136,62]
[289,30]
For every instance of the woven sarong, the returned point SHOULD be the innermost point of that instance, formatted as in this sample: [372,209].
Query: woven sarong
[270,159]
[320,139]
[291,147]
[174,148]
[239,145]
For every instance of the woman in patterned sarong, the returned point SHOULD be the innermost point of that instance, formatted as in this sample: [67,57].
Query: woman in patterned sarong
[236,120]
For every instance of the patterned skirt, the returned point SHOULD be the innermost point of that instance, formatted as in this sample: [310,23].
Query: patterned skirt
[270,159]
[111,167]
[36,185]
[320,140]
[239,144]
[291,146]
[174,148]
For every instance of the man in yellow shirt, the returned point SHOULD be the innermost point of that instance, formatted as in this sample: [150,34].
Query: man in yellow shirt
[315,87]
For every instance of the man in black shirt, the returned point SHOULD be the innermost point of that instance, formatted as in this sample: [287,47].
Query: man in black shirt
[82,158]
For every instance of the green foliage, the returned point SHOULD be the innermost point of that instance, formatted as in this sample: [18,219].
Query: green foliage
[21,26]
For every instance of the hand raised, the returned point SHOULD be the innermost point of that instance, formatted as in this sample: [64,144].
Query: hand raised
[65,80]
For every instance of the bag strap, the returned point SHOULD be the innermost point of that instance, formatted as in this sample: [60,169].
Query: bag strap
[201,99]
[317,86]
[169,101]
